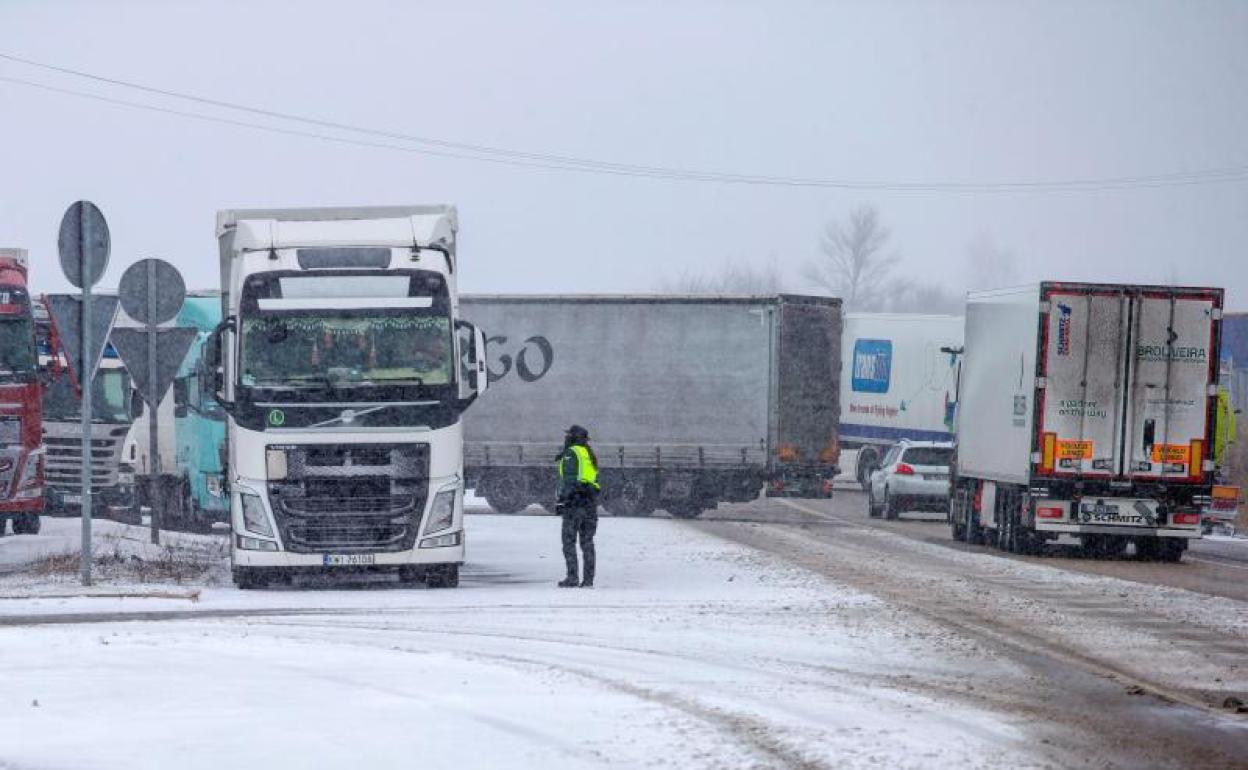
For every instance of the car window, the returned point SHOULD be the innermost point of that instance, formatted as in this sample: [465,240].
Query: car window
[929,455]
[891,457]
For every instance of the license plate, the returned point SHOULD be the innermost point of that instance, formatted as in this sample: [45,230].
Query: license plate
[72,499]
[349,559]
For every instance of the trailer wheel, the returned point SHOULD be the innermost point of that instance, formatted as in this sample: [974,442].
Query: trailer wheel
[443,576]
[628,496]
[26,524]
[506,492]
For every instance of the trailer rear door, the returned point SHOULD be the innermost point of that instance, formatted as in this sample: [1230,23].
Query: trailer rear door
[1173,369]
[1081,408]
[1126,382]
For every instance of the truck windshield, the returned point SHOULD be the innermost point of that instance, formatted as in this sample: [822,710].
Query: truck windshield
[109,402]
[17,347]
[408,347]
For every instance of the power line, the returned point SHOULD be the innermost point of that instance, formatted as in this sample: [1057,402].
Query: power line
[485,153]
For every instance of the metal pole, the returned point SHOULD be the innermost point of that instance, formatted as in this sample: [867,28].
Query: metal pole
[155,489]
[84,379]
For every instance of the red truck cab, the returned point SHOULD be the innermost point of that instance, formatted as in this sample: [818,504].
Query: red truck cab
[21,413]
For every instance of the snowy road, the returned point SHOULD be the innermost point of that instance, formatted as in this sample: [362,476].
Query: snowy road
[693,652]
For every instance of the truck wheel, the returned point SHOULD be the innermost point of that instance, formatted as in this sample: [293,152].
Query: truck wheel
[628,496]
[442,576]
[248,578]
[506,493]
[26,524]
[1171,549]
[683,509]
[956,517]
[4,524]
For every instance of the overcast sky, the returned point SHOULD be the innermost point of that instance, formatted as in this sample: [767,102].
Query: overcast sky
[917,92]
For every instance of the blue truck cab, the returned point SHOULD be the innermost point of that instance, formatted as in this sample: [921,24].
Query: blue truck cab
[199,423]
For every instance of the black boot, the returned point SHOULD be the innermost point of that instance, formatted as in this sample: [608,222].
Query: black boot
[588,582]
[570,581]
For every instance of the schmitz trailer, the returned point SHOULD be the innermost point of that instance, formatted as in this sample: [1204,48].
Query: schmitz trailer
[689,401]
[898,382]
[1087,410]
[345,371]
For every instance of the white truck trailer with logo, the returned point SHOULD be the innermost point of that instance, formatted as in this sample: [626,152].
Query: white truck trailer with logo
[1087,410]
[898,382]
[345,371]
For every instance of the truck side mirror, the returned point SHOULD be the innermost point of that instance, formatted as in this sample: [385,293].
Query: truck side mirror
[481,374]
[180,396]
[473,375]
[136,405]
[214,363]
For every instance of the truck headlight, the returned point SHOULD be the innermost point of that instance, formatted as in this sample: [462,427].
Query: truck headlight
[213,484]
[442,513]
[254,517]
[125,475]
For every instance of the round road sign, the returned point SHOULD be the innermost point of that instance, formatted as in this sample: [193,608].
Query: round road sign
[152,291]
[83,244]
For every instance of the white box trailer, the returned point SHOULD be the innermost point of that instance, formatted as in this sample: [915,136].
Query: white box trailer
[898,382]
[689,401]
[1087,409]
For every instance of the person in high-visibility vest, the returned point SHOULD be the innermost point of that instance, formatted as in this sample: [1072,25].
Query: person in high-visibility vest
[578,505]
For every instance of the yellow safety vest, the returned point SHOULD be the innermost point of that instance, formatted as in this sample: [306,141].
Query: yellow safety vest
[586,473]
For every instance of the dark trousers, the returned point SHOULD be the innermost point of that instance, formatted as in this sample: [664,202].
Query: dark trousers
[579,522]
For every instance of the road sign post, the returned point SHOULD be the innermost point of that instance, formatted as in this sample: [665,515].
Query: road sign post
[152,292]
[83,246]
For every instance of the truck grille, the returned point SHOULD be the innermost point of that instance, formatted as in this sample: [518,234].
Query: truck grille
[353,497]
[63,463]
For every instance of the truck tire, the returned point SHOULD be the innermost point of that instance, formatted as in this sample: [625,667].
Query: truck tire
[506,492]
[249,578]
[684,509]
[4,525]
[26,524]
[442,576]
[628,496]
[956,517]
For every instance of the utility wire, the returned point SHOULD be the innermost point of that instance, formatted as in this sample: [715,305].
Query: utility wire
[485,153]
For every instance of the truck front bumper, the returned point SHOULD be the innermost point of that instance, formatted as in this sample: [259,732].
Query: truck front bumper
[348,561]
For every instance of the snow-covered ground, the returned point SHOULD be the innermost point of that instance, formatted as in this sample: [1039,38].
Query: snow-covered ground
[691,652]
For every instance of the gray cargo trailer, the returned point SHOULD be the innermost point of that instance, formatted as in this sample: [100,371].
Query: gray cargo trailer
[690,401]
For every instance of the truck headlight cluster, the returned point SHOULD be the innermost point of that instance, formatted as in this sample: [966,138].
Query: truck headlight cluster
[442,512]
[254,517]
[213,483]
[125,475]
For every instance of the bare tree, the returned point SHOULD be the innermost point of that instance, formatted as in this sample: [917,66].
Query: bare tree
[988,266]
[731,277]
[902,295]
[854,265]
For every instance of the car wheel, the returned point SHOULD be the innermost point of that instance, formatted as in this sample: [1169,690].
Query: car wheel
[873,510]
[891,509]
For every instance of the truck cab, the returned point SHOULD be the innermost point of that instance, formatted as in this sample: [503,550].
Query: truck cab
[344,369]
[21,441]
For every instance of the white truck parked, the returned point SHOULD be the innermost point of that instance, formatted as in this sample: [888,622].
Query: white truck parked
[344,370]
[897,382]
[1086,409]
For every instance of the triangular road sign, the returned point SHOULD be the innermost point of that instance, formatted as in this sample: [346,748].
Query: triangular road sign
[171,347]
[66,313]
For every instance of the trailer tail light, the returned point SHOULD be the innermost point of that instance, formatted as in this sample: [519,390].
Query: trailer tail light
[1048,452]
[903,470]
[786,453]
[1049,512]
[831,453]
[1196,462]
[1185,518]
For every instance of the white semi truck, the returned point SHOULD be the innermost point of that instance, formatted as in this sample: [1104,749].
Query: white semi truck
[1087,410]
[898,380]
[344,370]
